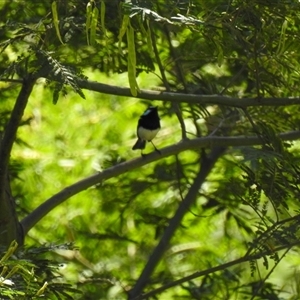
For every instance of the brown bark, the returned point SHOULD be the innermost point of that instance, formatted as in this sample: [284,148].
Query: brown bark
[10,228]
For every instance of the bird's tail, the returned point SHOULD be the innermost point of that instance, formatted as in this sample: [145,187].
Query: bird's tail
[140,144]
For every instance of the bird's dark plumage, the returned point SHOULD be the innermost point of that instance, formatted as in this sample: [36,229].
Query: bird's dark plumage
[148,127]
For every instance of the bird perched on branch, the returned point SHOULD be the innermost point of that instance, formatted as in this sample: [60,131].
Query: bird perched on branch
[147,129]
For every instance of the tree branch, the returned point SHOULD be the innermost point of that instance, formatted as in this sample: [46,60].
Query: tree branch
[181,97]
[12,126]
[215,269]
[9,226]
[35,216]
[206,166]
[188,98]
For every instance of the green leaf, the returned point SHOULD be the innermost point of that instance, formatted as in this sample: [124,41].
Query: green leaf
[94,23]
[89,13]
[282,39]
[125,22]
[131,61]
[149,40]
[56,21]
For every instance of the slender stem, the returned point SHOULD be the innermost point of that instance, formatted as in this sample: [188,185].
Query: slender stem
[182,80]
[159,63]
[176,59]
[213,270]
[262,282]
[176,106]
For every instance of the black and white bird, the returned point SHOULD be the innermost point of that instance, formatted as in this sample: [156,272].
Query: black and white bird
[147,129]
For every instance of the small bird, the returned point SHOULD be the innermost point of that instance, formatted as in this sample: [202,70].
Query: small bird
[147,129]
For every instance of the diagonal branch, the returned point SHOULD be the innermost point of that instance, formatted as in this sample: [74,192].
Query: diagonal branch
[206,166]
[212,270]
[195,144]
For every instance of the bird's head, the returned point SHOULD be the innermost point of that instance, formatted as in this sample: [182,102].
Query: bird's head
[149,110]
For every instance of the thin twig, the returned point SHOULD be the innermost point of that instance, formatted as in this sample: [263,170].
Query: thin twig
[233,79]
[262,282]
[180,73]
[213,270]
[176,106]
[158,60]
[179,70]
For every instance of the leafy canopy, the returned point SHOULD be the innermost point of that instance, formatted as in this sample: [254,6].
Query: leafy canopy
[217,214]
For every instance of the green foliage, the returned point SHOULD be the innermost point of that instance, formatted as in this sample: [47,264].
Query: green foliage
[247,208]
[27,274]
